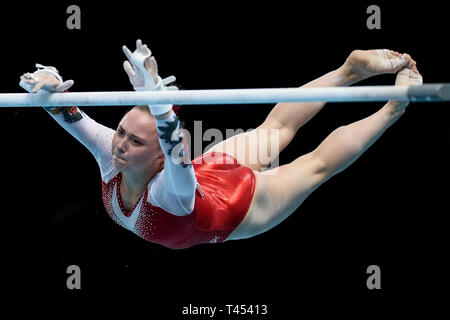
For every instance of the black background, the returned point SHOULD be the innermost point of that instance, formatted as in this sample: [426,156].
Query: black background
[388,209]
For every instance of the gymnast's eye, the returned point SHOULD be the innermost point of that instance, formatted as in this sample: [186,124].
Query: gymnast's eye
[138,142]
[120,132]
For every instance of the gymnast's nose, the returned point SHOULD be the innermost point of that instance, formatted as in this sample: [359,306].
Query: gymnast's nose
[121,146]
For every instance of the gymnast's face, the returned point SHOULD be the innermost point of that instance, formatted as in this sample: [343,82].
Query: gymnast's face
[135,146]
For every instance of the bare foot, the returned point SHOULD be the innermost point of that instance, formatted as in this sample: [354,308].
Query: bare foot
[363,64]
[406,77]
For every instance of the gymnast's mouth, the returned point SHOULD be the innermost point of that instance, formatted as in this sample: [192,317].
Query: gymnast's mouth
[118,158]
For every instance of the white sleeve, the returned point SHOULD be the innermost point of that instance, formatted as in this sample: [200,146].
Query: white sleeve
[174,189]
[94,136]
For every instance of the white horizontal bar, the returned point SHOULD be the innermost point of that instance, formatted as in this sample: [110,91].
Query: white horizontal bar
[428,92]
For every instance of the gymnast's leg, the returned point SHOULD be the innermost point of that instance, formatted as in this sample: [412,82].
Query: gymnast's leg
[278,195]
[360,65]
[258,148]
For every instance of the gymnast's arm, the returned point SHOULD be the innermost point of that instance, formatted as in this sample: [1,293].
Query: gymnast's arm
[91,134]
[174,190]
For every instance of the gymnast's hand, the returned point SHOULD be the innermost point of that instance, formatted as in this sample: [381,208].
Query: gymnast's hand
[47,82]
[141,67]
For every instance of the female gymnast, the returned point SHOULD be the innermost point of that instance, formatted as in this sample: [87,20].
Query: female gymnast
[151,187]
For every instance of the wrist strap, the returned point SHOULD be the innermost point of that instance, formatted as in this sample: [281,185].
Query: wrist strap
[52,70]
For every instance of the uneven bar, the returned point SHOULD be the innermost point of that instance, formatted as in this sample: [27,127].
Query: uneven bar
[426,93]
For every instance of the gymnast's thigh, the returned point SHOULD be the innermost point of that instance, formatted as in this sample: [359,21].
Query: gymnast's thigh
[255,149]
[246,228]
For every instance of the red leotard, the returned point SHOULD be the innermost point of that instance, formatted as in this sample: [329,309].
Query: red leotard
[227,189]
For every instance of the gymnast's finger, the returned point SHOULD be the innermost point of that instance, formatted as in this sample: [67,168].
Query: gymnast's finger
[64,86]
[27,79]
[38,86]
[147,51]
[127,52]
[128,69]
[139,44]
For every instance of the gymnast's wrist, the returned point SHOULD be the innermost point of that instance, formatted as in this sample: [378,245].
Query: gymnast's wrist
[164,116]
[160,111]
